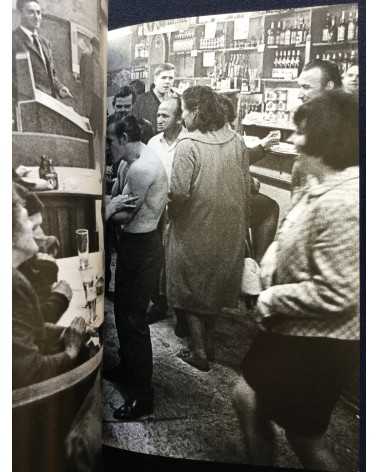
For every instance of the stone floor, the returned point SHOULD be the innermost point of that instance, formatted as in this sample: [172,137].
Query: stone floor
[193,416]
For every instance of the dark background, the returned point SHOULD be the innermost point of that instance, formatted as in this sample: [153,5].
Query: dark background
[131,12]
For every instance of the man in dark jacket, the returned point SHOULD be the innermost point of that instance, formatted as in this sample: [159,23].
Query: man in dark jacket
[26,38]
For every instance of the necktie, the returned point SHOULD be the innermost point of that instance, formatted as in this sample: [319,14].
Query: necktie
[37,44]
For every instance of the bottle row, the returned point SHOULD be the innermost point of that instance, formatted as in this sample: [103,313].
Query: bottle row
[287,65]
[213,43]
[343,59]
[287,32]
[340,29]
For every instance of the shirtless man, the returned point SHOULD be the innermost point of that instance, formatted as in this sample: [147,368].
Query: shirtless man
[138,262]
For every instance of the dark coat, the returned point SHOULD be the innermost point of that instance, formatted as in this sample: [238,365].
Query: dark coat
[45,77]
[29,361]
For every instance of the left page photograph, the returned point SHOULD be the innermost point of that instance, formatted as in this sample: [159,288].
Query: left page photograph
[58,148]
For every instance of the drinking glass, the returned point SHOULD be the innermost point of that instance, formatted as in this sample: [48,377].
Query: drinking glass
[82,244]
[88,279]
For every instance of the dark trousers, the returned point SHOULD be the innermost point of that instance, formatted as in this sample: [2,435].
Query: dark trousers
[138,265]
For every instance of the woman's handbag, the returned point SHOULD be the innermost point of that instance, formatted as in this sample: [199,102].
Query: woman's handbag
[251,282]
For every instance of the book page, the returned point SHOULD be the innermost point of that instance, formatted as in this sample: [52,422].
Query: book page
[193,367]
[58,138]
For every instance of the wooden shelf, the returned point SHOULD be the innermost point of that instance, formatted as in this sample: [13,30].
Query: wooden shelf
[267,79]
[253,48]
[278,46]
[337,43]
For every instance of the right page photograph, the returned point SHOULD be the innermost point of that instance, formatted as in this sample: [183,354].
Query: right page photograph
[232,280]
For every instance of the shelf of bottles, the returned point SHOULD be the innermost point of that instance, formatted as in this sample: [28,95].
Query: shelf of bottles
[286,37]
[219,42]
[183,41]
[288,32]
[236,71]
[335,35]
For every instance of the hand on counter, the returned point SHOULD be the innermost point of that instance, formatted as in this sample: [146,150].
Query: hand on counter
[271,139]
[73,337]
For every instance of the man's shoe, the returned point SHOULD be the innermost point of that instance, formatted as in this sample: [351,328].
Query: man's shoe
[155,314]
[133,409]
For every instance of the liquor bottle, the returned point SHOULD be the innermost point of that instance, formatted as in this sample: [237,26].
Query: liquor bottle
[326,28]
[341,29]
[333,30]
[300,32]
[306,32]
[270,37]
[275,66]
[356,26]
[294,32]
[52,176]
[351,28]
[282,34]
[285,65]
[277,39]
[287,34]
[44,167]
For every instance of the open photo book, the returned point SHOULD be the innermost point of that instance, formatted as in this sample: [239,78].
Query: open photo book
[186,235]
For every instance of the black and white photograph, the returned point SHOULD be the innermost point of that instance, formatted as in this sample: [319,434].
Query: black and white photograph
[58,148]
[231,223]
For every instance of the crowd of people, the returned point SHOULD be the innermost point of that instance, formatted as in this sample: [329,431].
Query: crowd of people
[178,210]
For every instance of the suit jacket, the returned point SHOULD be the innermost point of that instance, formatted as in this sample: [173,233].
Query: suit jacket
[44,75]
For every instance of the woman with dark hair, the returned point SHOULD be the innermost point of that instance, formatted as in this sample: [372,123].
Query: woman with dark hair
[299,363]
[207,210]
[31,336]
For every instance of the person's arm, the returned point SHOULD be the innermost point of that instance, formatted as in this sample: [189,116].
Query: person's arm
[60,88]
[120,204]
[333,286]
[183,172]
[139,180]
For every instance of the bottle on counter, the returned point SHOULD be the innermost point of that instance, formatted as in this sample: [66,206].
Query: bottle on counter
[44,168]
[52,176]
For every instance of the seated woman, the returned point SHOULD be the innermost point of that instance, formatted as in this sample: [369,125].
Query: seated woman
[298,365]
[42,270]
[31,362]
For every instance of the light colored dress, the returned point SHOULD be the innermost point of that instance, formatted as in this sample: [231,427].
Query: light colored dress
[207,210]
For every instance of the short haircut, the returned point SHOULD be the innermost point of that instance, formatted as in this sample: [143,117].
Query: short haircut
[129,126]
[125,91]
[138,86]
[163,67]
[329,69]
[228,107]
[330,125]
[210,114]
[21,3]
[178,109]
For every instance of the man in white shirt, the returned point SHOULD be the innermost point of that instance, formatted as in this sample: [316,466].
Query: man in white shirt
[169,126]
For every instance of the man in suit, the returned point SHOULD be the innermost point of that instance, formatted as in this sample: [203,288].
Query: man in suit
[26,38]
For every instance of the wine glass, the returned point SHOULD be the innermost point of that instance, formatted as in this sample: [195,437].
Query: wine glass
[82,244]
